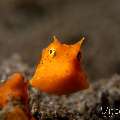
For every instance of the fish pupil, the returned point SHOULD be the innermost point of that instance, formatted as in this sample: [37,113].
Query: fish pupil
[50,51]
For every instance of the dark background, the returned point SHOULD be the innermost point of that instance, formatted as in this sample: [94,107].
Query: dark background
[27,25]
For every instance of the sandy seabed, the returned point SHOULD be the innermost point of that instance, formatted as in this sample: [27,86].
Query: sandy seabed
[100,102]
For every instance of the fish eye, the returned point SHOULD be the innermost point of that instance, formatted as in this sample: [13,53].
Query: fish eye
[79,56]
[52,52]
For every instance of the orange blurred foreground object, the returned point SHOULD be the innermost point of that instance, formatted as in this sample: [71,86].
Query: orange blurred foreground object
[60,69]
[14,98]
[16,113]
[14,88]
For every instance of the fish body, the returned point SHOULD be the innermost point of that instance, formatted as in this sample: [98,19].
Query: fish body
[60,69]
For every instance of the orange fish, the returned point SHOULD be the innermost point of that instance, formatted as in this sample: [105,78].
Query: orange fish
[59,70]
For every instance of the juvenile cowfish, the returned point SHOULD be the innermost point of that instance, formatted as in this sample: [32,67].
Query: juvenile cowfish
[60,69]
